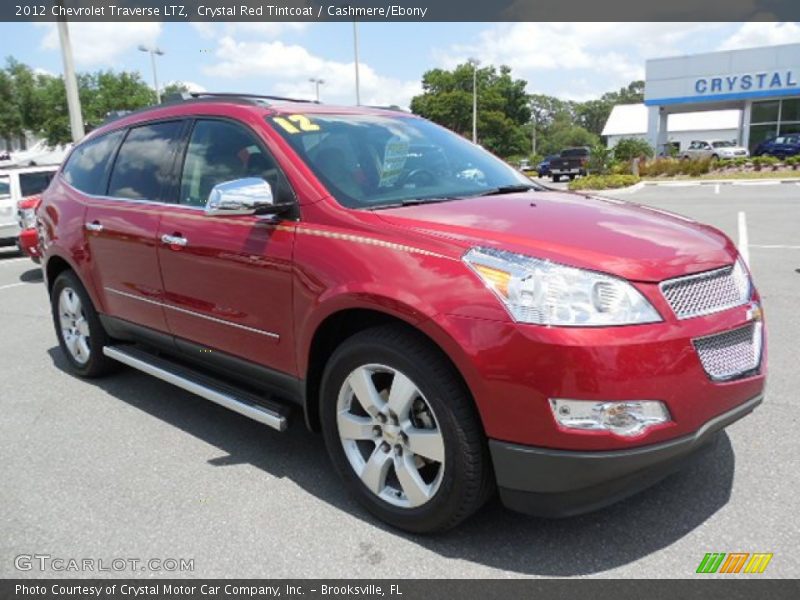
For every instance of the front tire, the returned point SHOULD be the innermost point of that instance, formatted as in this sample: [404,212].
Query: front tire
[403,432]
[80,333]
[556,178]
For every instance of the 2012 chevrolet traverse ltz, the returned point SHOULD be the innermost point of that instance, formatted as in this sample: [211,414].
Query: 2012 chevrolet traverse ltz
[451,327]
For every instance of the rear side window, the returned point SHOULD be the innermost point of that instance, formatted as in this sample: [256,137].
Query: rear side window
[5,188]
[575,152]
[34,183]
[143,163]
[87,167]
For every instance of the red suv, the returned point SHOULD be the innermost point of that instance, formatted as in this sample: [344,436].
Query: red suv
[450,327]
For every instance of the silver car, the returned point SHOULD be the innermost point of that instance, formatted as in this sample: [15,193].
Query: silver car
[716,149]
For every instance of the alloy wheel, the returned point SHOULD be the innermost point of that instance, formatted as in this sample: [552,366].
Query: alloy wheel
[74,326]
[390,435]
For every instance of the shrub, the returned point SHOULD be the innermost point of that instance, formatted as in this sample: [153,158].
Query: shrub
[793,162]
[629,148]
[599,159]
[759,162]
[671,167]
[603,182]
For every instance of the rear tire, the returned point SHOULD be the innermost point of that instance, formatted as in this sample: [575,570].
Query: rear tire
[80,333]
[556,178]
[423,468]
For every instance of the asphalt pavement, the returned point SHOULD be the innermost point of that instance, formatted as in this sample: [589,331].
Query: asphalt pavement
[131,467]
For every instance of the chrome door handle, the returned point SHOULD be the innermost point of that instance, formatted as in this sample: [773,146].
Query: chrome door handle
[94,226]
[174,240]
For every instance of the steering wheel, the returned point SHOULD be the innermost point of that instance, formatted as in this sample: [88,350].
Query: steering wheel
[419,177]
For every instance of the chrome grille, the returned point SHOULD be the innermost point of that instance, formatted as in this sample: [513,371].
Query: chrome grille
[708,292]
[731,354]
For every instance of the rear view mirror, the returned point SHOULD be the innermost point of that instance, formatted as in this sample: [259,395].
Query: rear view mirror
[248,196]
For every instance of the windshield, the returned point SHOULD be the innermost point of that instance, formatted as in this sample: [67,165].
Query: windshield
[370,161]
[5,187]
[723,144]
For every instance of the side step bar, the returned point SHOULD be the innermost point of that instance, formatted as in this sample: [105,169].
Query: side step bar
[242,402]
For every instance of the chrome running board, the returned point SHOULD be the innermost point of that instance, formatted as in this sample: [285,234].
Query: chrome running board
[240,401]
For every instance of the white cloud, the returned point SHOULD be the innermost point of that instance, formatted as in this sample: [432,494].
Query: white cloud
[102,43]
[617,50]
[291,65]
[754,34]
[263,29]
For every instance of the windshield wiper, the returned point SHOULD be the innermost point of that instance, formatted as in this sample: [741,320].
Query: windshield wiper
[410,202]
[510,189]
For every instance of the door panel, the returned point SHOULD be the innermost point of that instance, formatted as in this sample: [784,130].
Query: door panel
[123,259]
[229,288]
[228,280]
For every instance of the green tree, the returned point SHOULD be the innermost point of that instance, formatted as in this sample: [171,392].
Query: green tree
[629,148]
[174,88]
[565,135]
[503,106]
[10,117]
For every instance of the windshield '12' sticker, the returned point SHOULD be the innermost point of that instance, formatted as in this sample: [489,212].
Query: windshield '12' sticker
[296,124]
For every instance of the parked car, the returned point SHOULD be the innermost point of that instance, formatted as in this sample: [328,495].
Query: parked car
[17,183]
[525,165]
[28,240]
[780,146]
[543,168]
[276,257]
[716,149]
[570,163]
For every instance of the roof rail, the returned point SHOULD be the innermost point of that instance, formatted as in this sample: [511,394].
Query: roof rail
[199,95]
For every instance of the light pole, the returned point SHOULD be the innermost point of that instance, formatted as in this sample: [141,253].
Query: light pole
[153,51]
[70,83]
[355,52]
[474,62]
[317,82]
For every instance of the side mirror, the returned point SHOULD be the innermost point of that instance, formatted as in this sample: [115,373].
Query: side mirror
[247,196]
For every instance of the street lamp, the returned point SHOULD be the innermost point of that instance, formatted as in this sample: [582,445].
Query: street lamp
[533,132]
[70,83]
[317,82]
[153,51]
[474,62]
[355,52]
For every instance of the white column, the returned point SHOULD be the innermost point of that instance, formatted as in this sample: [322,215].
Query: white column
[744,127]
[661,144]
[653,122]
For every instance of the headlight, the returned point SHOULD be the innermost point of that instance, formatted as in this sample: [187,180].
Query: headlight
[626,418]
[547,293]
[27,218]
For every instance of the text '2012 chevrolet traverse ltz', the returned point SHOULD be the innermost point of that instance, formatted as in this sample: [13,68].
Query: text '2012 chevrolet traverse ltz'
[450,327]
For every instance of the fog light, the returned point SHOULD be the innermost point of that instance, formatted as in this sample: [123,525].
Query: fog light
[627,418]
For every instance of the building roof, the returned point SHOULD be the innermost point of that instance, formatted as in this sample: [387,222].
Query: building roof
[631,119]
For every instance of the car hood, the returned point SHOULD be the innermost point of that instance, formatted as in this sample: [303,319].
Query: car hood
[625,239]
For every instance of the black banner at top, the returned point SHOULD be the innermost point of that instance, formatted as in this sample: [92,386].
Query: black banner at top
[400,10]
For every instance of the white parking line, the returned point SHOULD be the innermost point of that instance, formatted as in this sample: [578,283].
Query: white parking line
[743,245]
[775,246]
[10,261]
[12,285]
[716,188]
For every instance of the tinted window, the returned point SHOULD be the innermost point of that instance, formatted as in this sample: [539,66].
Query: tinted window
[34,183]
[87,166]
[220,151]
[5,187]
[143,163]
[575,152]
[373,160]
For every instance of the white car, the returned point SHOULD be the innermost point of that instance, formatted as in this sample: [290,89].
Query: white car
[17,183]
[716,149]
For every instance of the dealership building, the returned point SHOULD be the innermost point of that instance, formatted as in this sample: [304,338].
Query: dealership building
[763,84]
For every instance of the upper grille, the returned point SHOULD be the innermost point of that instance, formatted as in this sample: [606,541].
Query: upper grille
[731,354]
[709,292]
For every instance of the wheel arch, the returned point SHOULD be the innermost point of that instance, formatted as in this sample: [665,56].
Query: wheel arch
[336,328]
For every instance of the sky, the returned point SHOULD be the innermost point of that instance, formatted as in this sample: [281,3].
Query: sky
[575,61]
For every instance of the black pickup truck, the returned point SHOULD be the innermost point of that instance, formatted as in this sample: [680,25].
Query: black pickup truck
[569,163]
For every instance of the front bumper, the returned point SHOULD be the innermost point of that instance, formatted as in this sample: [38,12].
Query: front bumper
[562,483]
